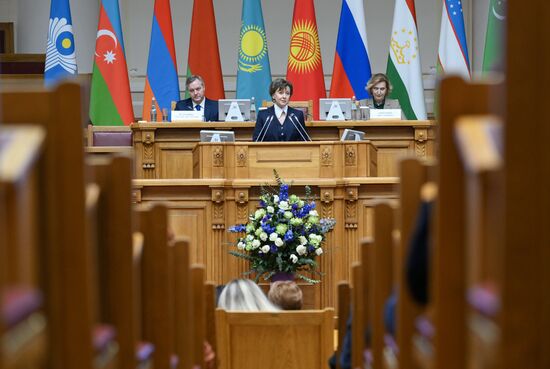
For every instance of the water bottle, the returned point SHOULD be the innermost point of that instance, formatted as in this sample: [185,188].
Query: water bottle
[153,111]
[252,109]
[353,108]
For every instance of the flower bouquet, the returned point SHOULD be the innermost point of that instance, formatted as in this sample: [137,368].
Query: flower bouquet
[284,235]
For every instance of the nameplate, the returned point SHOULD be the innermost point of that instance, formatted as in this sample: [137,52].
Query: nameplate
[186,115]
[385,114]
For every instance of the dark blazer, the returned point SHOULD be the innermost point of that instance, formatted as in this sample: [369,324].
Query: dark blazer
[210,108]
[268,127]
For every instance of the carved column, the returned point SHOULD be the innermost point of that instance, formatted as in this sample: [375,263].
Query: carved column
[350,216]
[420,142]
[241,217]
[328,261]
[148,157]
[216,257]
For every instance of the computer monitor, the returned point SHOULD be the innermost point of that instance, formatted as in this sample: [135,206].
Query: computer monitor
[325,105]
[228,115]
[217,136]
[352,135]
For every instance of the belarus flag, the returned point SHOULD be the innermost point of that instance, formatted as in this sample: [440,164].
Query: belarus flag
[351,60]
[453,50]
[404,69]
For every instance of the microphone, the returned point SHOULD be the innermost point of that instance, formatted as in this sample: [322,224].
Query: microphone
[299,127]
[264,129]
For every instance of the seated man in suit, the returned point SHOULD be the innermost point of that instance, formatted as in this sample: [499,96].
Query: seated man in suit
[197,101]
[280,122]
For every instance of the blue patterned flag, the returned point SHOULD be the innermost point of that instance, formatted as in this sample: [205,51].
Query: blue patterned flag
[253,72]
[453,50]
[60,48]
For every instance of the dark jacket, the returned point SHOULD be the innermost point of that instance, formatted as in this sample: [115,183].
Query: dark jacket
[268,127]
[210,108]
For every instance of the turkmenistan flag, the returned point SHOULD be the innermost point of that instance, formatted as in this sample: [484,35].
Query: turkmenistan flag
[493,53]
[204,55]
[110,101]
[253,72]
[404,69]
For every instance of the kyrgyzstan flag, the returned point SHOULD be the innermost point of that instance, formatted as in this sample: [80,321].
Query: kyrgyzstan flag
[305,68]
[110,100]
[204,55]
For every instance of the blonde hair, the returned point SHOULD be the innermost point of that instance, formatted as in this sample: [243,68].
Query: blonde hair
[286,294]
[376,79]
[244,295]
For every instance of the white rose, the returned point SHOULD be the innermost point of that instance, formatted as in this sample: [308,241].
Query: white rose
[265,248]
[249,237]
[303,240]
[283,205]
[312,236]
[255,244]
[301,250]
[313,213]
[293,258]
[241,245]
[273,236]
[270,209]
[279,242]
[263,236]
[288,215]
[319,251]
[275,198]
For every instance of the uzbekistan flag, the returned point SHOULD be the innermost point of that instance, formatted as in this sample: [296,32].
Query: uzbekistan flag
[204,55]
[404,69]
[162,74]
[60,49]
[305,68]
[453,51]
[351,60]
[110,101]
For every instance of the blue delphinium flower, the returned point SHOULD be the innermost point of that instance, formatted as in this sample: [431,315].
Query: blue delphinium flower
[273,249]
[283,192]
[288,236]
[237,228]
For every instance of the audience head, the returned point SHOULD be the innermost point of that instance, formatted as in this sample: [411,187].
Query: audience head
[196,88]
[280,91]
[244,295]
[286,294]
[379,87]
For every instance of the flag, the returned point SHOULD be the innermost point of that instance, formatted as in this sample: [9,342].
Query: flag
[60,47]
[351,60]
[453,50]
[305,68]
[253,72]
[493,53]
[110,100]
[403,68]
[204,55]
[161,81]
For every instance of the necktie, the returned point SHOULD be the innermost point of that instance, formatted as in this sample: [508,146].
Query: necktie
[197,107]
[282,117]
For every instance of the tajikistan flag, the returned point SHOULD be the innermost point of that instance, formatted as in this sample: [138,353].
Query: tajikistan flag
[404,69]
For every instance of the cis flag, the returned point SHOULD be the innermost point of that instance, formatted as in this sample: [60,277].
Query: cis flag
[162,74]
[453,51]
[110,100]
[351,60]
[253,72]
[60,48]
[204,55]
[305,68]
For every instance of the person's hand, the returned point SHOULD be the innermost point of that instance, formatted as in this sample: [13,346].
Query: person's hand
[209,355]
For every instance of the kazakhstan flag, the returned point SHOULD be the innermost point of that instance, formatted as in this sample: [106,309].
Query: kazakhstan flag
[60,50]
[253,72]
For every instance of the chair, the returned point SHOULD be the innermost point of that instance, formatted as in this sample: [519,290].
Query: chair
[274,340]
[305,106]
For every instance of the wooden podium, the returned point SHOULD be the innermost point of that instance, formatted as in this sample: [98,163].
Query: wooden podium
[211,186]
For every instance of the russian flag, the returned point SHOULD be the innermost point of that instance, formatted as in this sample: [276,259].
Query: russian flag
[351,60]
[453,50]
[162,74]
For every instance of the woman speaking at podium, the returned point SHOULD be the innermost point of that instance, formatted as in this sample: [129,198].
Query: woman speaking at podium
[280,122]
